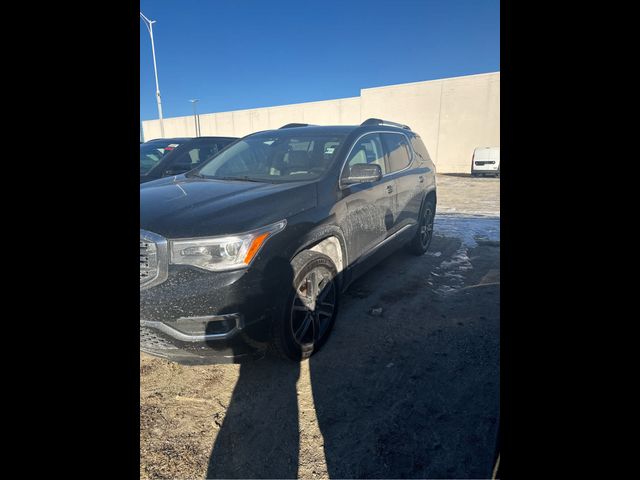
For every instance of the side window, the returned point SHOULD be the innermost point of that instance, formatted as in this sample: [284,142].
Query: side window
[420,149]
[398,150]
[366,150]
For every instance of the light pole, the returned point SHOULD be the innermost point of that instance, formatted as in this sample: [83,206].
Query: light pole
[195,116]
[149,24]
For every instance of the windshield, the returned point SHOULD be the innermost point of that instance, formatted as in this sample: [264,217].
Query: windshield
[275,157]
[151,153]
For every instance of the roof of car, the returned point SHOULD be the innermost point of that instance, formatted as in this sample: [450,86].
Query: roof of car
[331,129]
[370,124]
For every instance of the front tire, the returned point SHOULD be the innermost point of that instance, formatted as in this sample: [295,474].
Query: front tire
[311,310]
[420,243]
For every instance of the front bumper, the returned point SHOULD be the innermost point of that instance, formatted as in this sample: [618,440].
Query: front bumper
[160,340]
[199,317]
[485,168]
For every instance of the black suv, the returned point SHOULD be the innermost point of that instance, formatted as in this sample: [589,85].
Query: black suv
[172,156]
[253,248]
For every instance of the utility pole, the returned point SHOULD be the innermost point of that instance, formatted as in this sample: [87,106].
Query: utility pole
[196,118]
[149,24]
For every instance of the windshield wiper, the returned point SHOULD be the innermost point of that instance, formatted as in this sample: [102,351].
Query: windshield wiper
[241,179]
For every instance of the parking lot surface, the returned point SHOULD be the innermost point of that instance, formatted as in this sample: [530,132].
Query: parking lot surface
[406,387]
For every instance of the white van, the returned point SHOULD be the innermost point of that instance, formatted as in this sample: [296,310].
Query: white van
[486,161]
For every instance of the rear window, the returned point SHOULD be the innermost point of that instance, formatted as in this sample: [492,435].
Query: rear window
[420,149]
[151,153]
[398,150]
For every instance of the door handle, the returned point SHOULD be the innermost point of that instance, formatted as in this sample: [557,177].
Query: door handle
[389,189]
[421,179]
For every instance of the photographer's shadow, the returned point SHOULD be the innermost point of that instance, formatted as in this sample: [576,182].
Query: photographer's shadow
[413,393]
[259,435]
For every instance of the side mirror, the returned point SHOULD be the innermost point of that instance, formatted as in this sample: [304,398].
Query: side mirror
[362,173]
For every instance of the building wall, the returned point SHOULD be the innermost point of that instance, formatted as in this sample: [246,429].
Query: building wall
[452,115]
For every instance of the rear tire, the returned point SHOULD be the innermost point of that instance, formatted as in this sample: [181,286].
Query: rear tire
[312,306]
[420,243]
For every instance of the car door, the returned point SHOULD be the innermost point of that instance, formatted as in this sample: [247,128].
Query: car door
[481,159]
[369,205]
[410,186]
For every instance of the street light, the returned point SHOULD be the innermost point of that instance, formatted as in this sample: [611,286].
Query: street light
[196,120]
[149,24]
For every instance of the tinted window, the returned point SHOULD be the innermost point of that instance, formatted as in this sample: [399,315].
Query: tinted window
[274,157]
[197,155]
[420,149]
[398,150]
[366,150]
[152,152]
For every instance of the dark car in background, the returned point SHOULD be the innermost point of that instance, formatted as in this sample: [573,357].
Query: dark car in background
[172,156]
[253,248]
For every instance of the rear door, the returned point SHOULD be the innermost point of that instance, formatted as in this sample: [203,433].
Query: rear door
[482,158]
[494,156]
[409,180]
[370,205]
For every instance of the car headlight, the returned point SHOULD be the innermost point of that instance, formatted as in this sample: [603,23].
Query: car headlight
[222,253]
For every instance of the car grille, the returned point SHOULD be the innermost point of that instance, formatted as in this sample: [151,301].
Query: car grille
[153,259]
[148,261]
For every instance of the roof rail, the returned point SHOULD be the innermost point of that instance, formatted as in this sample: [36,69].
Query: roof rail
[378,121]
[294,125]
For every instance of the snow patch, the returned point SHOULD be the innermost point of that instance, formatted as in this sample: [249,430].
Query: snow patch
[468,227]
[458,260]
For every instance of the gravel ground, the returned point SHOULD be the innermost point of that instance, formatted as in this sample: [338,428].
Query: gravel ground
[407,386]
[468,195]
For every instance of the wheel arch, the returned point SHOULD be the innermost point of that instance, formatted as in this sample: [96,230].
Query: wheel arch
[431,194]
[328,240]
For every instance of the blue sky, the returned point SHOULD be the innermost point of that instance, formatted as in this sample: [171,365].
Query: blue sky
[236,54]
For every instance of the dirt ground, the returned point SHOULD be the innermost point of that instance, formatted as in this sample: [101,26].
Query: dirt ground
[406,387]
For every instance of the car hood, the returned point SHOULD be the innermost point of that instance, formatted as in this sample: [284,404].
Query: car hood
[181,207]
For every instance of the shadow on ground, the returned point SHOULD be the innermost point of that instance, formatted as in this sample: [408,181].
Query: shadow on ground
[407,386]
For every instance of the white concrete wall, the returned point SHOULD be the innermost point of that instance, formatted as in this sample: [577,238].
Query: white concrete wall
[452,115]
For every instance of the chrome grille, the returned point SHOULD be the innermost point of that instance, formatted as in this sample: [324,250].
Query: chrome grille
[148,261]
[153,259]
